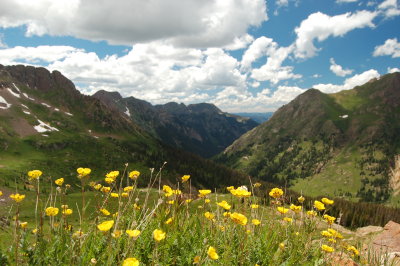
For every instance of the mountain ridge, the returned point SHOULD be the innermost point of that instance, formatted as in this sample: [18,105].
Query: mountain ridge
[200,128]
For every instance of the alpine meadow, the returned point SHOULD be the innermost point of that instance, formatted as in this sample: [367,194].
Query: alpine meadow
[167,132]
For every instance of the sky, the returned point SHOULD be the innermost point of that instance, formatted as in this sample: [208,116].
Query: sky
[241,55]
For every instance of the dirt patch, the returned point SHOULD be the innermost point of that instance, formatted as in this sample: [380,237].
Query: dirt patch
[22,127]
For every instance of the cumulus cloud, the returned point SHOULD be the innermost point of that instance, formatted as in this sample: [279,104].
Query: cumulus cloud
[2,43]
[189,23]
[392,70]
[338,69]
[389,8]
[272,70]
[390,47]
[319,26]
[349,83]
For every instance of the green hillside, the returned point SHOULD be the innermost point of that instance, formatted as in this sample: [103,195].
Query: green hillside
[341,144]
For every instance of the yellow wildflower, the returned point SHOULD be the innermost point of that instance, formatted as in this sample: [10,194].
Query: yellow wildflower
[282,210]
[239,218]
[130,262]
[353,250]
[133,233]
[332,240]
[23,225]
[196,260]
[134,175]
[116,233]
[124,195]
[105,212]
[171,202]
[327,201]
[282,246]
[83,172]
[34,231]
[97,187]
[67,211]
[59,182]
[185,178]
[188,200]
[51,211]
[335,233]
[301,199]
[158,235]
[77,234]
[257,184]
[329,219]
[204,192]
[311,213]
[109,180]
[209,215]
[212,253]
[113,175]
[136,207]
[327,249]
[1,193]
[34,174]
[128,189]
[326,234]
[230,188]
[105,226]
[227,214]
[241,192]
[276,193]
[255,222]
[295,208]
[169,221]
[207,201]
[105,189]
[114,195]
[288,219]
[17,197]
[319,205]
[254,206]
[224,205]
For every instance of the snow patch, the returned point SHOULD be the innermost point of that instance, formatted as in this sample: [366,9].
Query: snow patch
[13,93]
[96,137]
[68,114]
[27,96]
[26,112]
[43,127]
[44,135]
[56,109]
[23,105]
[127,111]
[45,104]
[344,116]
[3,101]
[15,86]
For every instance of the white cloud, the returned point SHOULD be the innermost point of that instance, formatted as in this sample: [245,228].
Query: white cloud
[392,70]
[319,26]
[281,3]
[389,8]
[349,83]
[338,69]
[316,76]
[256,50]
[189,23]
[390,47]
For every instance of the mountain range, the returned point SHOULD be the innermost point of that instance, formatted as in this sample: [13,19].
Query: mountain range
[47,124]
[341,144]
[199,128]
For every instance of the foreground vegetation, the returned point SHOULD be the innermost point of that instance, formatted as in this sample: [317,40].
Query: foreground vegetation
[112,222]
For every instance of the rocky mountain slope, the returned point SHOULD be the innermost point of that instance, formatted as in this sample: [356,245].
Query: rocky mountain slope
[45,123]
[341,144]
[200,128]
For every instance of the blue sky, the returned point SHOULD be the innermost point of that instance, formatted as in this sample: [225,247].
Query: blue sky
[241,55]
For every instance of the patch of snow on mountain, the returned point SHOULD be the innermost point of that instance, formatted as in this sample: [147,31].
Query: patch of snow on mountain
[43,127]
[27,96]
[26,112]
[45,104]
[68,114]
[15,86]
[127,111]
[3,101]
[344,116]
[13,93]
[23,105]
